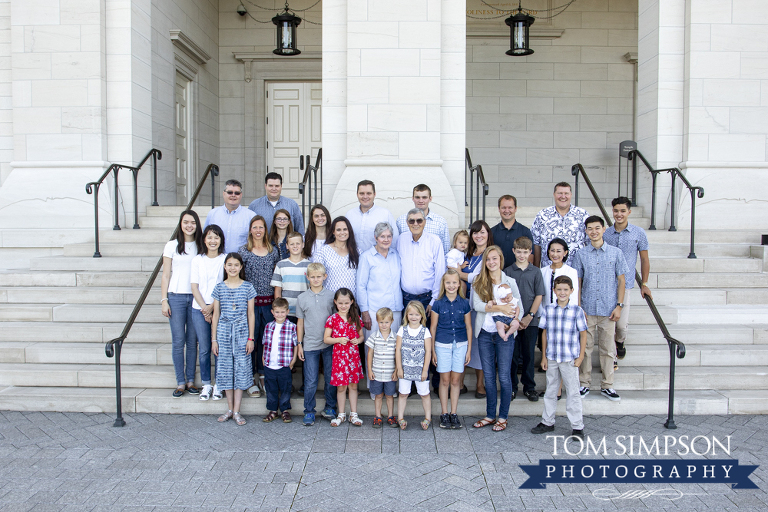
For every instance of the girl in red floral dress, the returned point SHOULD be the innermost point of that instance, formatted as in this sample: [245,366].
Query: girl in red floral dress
[344,331]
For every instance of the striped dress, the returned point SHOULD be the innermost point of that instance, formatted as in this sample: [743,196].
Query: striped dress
[233,365]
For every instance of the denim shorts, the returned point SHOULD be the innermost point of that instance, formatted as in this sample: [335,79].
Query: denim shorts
[450,356]
[506,320]
[376,387]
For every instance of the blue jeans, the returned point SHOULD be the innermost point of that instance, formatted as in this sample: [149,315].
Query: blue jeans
[278,384]
[495,351]
[203,332]
[183,336]
[312,375]
[263,317]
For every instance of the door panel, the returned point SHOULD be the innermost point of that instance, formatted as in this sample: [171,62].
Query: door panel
[183,178]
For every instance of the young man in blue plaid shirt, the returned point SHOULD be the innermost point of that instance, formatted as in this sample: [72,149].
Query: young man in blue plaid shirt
[280,341]
[563,342]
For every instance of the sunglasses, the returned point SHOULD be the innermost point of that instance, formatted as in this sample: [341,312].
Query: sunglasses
[415,221]
[233,192]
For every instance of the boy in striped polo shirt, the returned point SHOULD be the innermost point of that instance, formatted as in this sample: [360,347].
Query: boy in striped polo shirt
[563,343]
[289,279]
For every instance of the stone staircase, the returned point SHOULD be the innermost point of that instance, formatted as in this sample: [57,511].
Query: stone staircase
[56,316]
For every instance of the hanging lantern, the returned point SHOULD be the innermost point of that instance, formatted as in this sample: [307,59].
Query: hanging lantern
[286,33]
[519,25]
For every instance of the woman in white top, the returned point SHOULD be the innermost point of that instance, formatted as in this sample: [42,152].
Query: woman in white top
[316,234]
[207,272]
[176,298]
[339,256]
[558,253]
[495,352]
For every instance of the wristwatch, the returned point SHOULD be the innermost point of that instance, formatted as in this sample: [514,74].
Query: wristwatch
[620,304]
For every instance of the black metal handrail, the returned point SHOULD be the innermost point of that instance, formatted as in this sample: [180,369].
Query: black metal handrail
[675,173]
[676,347]
[93,188]
[476,179]
[113,347]
[309,174]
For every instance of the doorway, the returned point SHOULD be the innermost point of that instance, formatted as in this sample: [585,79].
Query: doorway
[294,130]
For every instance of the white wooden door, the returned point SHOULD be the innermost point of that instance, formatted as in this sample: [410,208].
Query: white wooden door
[183,161]
[293,129]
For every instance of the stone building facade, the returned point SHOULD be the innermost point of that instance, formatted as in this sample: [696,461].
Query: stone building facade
[395,91]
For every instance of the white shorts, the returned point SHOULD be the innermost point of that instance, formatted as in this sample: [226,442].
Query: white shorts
[404,387]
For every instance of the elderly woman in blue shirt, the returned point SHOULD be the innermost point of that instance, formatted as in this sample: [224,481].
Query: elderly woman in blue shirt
[378,279]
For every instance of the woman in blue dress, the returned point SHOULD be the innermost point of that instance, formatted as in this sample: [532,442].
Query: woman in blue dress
[480,238]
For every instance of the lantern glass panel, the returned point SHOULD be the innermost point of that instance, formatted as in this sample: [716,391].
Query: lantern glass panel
[519,36]
[287,33]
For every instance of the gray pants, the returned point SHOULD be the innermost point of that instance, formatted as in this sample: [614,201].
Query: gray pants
[569,375]
[623,323]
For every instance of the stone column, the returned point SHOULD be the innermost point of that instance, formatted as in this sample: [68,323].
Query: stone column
[394,102]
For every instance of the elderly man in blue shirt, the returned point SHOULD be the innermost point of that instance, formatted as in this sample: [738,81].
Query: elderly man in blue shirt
[267,205]
[233,219]
[601,268]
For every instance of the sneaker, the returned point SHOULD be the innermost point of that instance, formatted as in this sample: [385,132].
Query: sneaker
[532,395]
[377,422]
[392,422]
[455,422]
[207,391]
[445,421]
[583,391]
[542,428]
[217,393]
[329,413]
[578,433]
[610,394]
[514,394]
[621,351]
[309,419]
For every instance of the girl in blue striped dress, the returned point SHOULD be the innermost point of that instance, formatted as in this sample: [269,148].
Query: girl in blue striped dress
[232,334]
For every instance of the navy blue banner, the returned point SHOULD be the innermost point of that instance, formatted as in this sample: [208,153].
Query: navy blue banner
[647,471]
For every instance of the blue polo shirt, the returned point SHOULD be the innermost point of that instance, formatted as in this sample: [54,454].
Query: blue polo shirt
[505,239]
[450,322]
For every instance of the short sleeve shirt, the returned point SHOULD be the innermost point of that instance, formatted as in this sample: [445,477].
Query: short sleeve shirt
[549,224]
[530,283]
[259,269]
[631,240]
[450,322]
[181,266]
[291,278]
[314,308]
[383,355]
[340,328]
[599,270]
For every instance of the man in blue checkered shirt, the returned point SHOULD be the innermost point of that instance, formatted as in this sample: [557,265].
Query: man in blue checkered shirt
[563,343]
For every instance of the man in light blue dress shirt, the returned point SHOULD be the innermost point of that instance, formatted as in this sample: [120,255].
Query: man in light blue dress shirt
[366,215]
[436,224]
[233,219]
[267,205]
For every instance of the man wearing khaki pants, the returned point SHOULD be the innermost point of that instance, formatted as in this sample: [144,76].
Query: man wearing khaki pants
[601,268]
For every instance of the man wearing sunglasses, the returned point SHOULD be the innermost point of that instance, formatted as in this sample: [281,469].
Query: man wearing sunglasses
[232,218]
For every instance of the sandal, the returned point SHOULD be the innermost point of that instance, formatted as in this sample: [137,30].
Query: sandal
[425,423]
[403,424]
[355,419]
[377,422]
[239,419]
[392,422]
[341,418]
[226,416]
[287,417]
[254,391]
[500,425]
[483,423]
[270,417]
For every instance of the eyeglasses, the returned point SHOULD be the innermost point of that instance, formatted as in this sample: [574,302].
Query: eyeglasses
[281,219]
[415,221]
[233,192]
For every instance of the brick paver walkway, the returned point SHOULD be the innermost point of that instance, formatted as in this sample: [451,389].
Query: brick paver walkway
[79,462]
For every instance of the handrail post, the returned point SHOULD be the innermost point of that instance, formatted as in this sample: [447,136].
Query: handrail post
[213,192]
[96,253]
[119,421]
[692,254]
[672,202]
[670,423]
[576,188]
[116,227]
[485,193]
[154,179]
[652,227]
[471,195]
[634,182]
[135,173]
[478,192]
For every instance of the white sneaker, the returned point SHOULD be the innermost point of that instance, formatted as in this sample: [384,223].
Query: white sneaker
[217,393]
[206,393]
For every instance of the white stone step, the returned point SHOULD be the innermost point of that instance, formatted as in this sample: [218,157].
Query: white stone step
[80,353]
[76,295]
[711,265]
[80,264]
[704,236]
[175,211]
[159,401]
[710,250]
[29,278]
[111,250]
[735,314]
[74,278]
[162,222]
[709,280]
[703,377]
[133,236]
[91,332]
